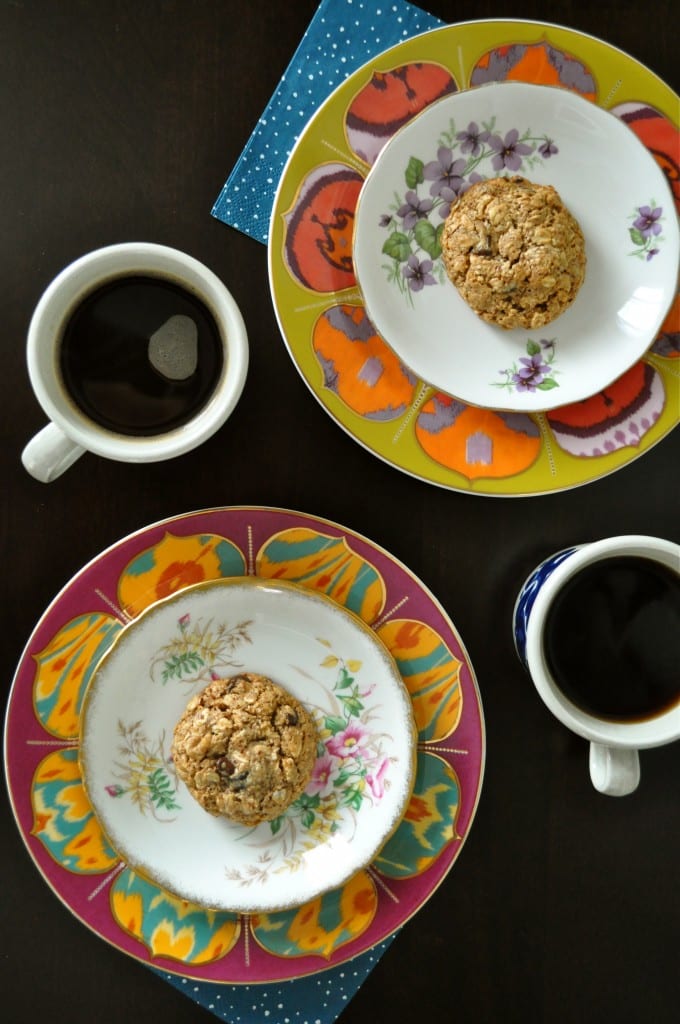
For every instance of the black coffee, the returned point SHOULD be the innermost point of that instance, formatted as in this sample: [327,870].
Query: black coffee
[141,355]
[612,638]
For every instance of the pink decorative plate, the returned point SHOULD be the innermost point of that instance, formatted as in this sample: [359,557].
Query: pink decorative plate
[42,735]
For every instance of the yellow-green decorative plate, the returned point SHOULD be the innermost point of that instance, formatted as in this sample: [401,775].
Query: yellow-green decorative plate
[43,739]
[353,373]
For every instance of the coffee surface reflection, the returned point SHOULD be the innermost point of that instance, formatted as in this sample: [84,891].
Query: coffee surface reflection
[140,355]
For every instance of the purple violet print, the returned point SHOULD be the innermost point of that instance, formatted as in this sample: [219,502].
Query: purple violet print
[472,139]
[548,149]
[418,273]
[448,197]
[509,151]
[472,180]
[413,209]
[531,374]
[648,221]
[414,222]
[444,172]
[645,230]
[535,371]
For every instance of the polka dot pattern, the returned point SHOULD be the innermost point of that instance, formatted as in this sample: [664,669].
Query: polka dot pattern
[342,35]
[319,999]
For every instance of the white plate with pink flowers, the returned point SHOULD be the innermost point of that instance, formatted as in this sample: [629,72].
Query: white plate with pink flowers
[321,653]
[606,178]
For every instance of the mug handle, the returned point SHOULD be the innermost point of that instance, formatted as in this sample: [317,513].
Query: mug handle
[50,453]
[614,770]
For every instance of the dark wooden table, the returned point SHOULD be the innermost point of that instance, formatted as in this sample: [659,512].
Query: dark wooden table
[120,120]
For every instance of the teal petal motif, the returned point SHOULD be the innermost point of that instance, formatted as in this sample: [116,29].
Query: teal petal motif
[327,564]
[64,669]
[323,925]
[170,927]
[63,819]
[429,824]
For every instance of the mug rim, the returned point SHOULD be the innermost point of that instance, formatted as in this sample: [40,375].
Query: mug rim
[89,272]
[649,732]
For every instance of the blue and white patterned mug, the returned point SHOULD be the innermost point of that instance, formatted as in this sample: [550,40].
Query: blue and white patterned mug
[614,745]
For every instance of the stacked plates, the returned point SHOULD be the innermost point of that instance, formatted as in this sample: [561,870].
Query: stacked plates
[380,334]
[346,629]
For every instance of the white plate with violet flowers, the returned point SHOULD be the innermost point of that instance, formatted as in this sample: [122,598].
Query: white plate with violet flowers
[322,654]
[606,179]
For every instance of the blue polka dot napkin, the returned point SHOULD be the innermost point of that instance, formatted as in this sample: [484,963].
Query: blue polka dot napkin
[342,35]
[319,999]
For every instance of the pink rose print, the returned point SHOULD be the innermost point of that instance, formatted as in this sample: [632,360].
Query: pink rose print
[321,782]
[348,743]
[376,780]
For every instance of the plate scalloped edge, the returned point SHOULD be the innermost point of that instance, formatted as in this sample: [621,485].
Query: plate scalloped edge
[217,534]
[405,423]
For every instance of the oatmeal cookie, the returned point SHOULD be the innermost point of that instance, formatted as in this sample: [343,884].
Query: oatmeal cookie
[245,748]
[514,252]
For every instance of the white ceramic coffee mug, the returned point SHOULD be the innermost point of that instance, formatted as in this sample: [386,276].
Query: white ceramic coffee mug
[614,745]
[71,432]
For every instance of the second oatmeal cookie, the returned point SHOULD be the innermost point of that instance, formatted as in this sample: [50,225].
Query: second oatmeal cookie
[245,748]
